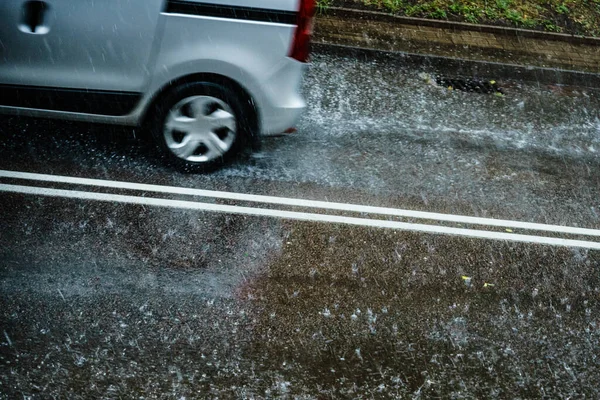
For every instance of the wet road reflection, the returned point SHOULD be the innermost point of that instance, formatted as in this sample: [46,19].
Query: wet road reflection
[107,300]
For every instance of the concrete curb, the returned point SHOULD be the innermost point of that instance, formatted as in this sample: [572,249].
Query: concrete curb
[483,70]
[461,26]
[466,48]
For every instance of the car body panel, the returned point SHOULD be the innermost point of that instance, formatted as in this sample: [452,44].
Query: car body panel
[104,45]
[249,50]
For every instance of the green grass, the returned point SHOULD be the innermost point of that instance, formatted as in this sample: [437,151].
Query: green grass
[580,17]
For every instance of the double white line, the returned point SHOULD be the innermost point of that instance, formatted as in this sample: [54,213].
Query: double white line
[301,216]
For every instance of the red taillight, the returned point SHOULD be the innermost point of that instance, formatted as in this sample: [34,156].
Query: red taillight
[301,45]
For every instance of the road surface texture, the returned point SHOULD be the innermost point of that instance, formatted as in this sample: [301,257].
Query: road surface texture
[106,292]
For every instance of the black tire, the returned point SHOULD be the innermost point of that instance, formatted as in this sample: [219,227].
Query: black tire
[156,123]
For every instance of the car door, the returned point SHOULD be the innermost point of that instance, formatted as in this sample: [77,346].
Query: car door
[102,45]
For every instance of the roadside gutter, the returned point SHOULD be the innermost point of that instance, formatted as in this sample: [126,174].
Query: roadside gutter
[462,48]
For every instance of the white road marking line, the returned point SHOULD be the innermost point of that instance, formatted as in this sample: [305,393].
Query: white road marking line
[324,205]
[300,216]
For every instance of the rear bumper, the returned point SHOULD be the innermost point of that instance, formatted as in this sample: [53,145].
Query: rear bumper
[281,119]
[282,104]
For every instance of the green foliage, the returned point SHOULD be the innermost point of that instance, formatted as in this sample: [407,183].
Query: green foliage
[323,5]
[470,12]
[503,5]
[514,16]
[580,17]
[438,13]
[551,27]
[491,13]
[562,9]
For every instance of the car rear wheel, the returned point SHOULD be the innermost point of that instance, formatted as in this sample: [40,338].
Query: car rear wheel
[200,126]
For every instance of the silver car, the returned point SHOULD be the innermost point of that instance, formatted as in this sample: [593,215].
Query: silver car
[204,77]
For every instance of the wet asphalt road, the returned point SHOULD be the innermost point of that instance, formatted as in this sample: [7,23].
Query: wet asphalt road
[105,300]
